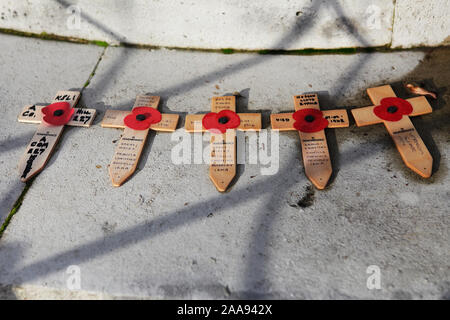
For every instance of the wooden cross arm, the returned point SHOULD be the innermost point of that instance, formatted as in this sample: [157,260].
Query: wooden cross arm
[114,119]
[249,122]
[365,116]
[284,121]
[81,117]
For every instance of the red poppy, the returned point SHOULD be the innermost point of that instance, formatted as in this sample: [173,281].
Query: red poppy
[141,118]
[309,120]
[221,121]
[392,109]
[57,114]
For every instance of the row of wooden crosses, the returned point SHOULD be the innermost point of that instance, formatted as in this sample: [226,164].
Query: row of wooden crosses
[222,122]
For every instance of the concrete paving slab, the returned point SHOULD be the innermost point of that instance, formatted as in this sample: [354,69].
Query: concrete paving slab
[167,232]
[421,23]
[213,24]
[32,71]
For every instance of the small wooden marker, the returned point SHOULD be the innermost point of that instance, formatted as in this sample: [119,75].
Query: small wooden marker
[310,124]
[44,140]
[408,142]
[131,144]
[222,167]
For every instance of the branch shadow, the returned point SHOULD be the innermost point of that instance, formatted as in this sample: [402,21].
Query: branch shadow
[256,269]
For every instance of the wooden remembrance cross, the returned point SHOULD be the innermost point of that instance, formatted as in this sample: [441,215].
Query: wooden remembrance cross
[51,120]
[129,148]
[394,113]
[222,167]
[310,123]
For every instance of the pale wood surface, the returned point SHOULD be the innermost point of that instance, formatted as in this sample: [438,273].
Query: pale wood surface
[222,167]
[44,141]
[223,103]
[407,140]
[193,123]
[223,147]
[249,121]
[337,118]
[82,117]
[39,150]
[316,157]
[378,93]
[114,119]
[410,145]
[126,156]
[365,116]
[147,101]
[284,121]
[131,144]
[168,123]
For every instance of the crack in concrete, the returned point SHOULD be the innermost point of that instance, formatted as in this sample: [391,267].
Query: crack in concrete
[20,199]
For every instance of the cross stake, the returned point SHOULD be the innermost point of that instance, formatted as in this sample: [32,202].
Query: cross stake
[46,137]
[129,148]
[316,157]
[408,142]
[222,167]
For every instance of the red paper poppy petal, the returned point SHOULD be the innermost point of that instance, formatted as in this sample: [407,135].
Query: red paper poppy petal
[311,126]
[302,125]
[301,114]
[51,119]
[404,107]
[153,115]
[322,124]
[382,113]
[131,122]
[210,121]
[57,121]
[233,119]
[48,110]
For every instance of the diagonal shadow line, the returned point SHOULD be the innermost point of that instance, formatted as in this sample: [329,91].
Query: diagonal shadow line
[348,24]
[13,143]
[255,274]
[117,240]
[172,221]
[344,81]
[113,71]
[8,197]
[138,233]
[94,22]
[299,28]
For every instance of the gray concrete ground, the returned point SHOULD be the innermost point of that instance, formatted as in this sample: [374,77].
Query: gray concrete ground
[167,232]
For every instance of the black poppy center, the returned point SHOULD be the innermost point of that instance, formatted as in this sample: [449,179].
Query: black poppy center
[392,109]
[58,113]
[309,118]
[223,120]
[141,117]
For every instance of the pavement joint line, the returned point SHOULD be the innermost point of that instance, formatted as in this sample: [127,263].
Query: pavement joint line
[305,51]
[20,199]
[92,74]
[15,207]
